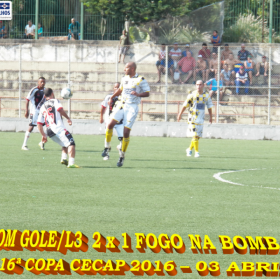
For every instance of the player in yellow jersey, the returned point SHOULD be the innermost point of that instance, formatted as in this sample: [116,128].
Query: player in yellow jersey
[196,103]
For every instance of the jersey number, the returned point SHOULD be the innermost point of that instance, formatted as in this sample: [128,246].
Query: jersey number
[49,121]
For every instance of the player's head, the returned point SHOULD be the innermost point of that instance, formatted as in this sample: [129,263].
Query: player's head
[130,69]
[48,92]
[41,82]
[199,86]
[116,86]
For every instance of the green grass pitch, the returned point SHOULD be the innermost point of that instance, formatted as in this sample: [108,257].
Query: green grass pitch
[158,190]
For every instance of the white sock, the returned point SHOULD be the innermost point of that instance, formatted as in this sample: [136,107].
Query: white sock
[122,154]
[71,161]
[120,145]
[63,156]
[107,144]
[27,134]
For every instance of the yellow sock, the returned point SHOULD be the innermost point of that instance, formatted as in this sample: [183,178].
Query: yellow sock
[125,144]
[109,134]
[192,145]
[195,142]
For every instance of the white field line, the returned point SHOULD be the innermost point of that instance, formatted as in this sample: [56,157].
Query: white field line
[218,177]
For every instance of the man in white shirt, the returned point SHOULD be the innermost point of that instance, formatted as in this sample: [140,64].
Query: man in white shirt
[51,114]
[29,31]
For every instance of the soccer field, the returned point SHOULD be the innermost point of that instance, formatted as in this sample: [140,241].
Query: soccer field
[158,190]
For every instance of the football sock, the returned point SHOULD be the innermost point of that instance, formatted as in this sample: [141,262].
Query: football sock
[192,145]
[195,142]
[27,134]
[63,156]
[125,144]
[109,133]
[71,161]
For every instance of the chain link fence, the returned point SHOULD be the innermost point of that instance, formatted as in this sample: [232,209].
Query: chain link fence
[241,96]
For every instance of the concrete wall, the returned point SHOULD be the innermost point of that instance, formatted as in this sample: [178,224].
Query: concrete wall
[161,129]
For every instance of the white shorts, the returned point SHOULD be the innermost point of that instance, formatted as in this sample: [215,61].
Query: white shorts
[63,138]
[128,114]
[118,128]
[33,117]
[195,130]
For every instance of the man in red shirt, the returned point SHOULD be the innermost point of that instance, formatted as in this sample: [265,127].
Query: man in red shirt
[206,54]
[187,66]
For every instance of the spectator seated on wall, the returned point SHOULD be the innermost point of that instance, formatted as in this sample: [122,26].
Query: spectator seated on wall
[206,53]
[40,30]
[249,68]
[226,52]
[175,54]
[242,80]
[213,66]
[187,49]
[187,65]
[213,87]
[243,53]
[74,30]
[262,67]
[233,64]
[200,68]
[29,30]
[162,66]
[161,56]
[216,41]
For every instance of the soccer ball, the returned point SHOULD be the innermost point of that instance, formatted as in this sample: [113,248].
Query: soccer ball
[66,93]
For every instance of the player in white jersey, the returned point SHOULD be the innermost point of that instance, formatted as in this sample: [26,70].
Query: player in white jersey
[107,110]
[36,98]
[132,88]
[196,102]
[51,114]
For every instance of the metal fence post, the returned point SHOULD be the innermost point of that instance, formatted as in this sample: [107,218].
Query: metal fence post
[218,91]
[82,21]
[69,81]
[117,64]
[166,82]
[36,19]
[269,86]
[19,83]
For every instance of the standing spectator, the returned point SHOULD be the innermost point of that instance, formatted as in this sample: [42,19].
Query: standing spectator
[242,80]
[216,41]
[161,55]
[124,43]
[243,54]
[3,31]
[74,30]
[262,67]
[226,76]
[226,52]
[206,54]
[187,66]
[29,30]
[184,53]
[214,87]
[200,68]
[175,54]
[213,66]
[40,30]
[249,67]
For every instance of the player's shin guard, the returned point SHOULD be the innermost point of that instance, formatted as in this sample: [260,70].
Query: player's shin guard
[195,143]
[109,134]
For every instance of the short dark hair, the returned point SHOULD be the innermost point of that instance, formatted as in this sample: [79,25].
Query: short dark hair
[41,78]
[216,31]
[204,44]
[226,44]
[48,92]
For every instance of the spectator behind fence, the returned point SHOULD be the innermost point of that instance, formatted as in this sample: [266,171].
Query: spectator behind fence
[200,68]
[3,30]
[213,66]
[243,54]
[262,67]
[161,69]
[225,53]
[206,54]
[161,55]
[216,41]
[74,30]
[213,83]
[187,47]
[226,76]
[232,62]
[29,30]
[40,30]
[175,54]
[249,68]
[124,45]
[242,80]
[187,66]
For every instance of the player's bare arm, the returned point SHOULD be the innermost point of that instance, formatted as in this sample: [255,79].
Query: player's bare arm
[180,114]
[63,114]
[26,108]
[143,94]
[210,115]
[118,92]
[102,112]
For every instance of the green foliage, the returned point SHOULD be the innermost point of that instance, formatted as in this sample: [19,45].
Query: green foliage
[138,34]
[247,29]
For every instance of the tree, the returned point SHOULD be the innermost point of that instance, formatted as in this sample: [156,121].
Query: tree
[139,11]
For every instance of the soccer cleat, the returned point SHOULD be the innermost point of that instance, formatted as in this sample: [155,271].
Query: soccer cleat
[189,152]
[120,162]
[64,161]
[196,154]
[106,157]
[25,148]
[73,166]
[105,153]
[42,145]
